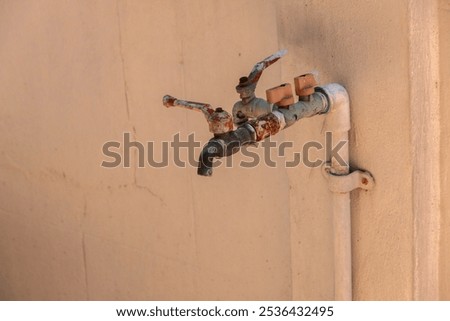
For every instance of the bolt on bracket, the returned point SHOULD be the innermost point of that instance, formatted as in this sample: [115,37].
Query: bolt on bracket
[349,182]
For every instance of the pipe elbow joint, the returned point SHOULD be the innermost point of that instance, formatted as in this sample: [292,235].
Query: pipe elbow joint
[338,115]
[224,145]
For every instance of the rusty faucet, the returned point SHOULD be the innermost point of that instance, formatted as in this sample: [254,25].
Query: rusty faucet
[255,118]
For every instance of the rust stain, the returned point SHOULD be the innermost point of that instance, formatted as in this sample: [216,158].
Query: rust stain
[169,101]
[220,121]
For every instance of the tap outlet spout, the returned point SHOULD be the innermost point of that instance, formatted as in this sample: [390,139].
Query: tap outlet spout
[224,145]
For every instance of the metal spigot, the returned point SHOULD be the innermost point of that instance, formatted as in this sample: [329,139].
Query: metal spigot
[255,118]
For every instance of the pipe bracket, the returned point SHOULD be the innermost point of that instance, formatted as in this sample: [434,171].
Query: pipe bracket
[349,182]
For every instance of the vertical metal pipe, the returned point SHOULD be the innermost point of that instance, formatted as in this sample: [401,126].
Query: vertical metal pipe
[342,229]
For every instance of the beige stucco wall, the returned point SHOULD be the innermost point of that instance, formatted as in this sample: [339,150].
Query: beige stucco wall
[80,73]
[353,44]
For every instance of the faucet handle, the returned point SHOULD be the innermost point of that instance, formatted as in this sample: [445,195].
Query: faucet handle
[170,101]
[257,70]
[304,86]
[219,120]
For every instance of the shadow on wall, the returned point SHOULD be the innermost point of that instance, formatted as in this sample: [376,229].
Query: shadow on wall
[328,43]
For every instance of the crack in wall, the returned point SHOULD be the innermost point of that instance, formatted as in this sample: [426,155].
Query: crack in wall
[127,104]
[83,247]
[122,58]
